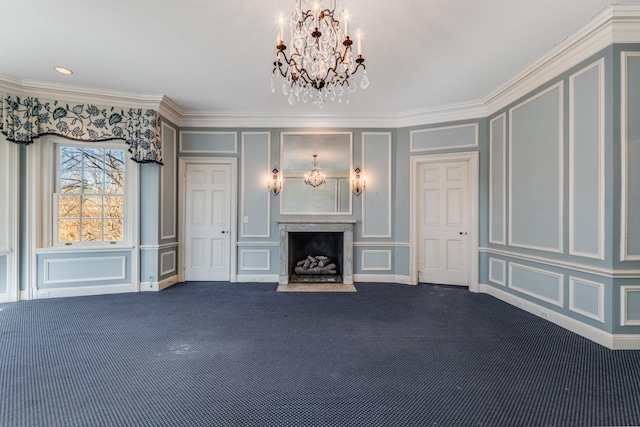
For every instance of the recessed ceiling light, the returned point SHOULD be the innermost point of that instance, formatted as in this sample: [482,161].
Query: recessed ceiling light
[62,70]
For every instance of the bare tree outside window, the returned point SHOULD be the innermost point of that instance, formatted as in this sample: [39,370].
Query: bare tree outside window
[91,195]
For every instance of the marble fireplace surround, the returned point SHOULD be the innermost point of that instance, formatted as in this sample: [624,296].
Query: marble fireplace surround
[317,226]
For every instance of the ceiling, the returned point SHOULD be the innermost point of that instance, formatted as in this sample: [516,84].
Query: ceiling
[215,56]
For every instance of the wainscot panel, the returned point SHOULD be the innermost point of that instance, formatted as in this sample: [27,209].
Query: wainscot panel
[256,162]
[586,162]
[83,269]
[377,260]
[168,266]
[586,298]
[630,305]
[497,271]
[541,284]
[457,136]
[497,180]
[255,260]
[168,183]
[630,155]
[535,172]
[3,276]
[208,142]
[376,202]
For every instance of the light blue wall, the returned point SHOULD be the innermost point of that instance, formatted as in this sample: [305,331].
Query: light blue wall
[586,163]
[563,195]
[81,269]
[259,151]
[633,156]
[535,147]
[159,212]
[3,274]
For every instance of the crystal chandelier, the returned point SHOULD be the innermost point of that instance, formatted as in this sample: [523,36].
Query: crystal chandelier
[321,64]
[314,177]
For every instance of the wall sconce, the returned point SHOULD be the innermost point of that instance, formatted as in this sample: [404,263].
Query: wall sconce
[274,183]
[358,182]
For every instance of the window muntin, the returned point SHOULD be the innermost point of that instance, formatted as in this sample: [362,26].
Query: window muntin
[91,193]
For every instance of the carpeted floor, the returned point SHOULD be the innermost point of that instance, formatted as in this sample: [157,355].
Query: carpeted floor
[220,354]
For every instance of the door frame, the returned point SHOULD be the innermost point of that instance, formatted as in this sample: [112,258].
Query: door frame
[472,159]
[183,162]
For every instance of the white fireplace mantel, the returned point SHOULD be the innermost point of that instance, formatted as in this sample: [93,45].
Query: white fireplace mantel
[319,226]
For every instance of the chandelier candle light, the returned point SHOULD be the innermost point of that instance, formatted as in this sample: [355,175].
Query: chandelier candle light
[320,65]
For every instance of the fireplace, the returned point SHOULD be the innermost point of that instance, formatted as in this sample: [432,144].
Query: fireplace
[300,239]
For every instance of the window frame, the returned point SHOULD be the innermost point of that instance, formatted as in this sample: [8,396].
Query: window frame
[52,146]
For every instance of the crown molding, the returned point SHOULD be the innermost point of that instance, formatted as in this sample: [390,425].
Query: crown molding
[83,95]
[270,120]
[614,24]
[618,23]
[450,113]
[170,111]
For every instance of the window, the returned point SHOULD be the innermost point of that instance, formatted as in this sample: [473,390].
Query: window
[90,195]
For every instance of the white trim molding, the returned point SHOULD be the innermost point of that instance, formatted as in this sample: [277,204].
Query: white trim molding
[583,268]
[503,241]
[196,132]
[388,184]
[158,286]
[383,278]
[116,275]
[243,183]
[173,189]
[600,66]
[244,252]
[232,162]
[611,341]
[559,277]
[599,287]
[624,185]
[475,126]
[251,278]
[503,268]
[472,158]
[171,255]
[558,249]
[366,267]
[624,305]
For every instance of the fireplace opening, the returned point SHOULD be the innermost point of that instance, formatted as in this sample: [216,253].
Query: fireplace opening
[321,250]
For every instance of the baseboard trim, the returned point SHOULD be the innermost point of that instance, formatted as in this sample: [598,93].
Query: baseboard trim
[383,278]
[84,291]
[611,341]
[158,286]
[267,278]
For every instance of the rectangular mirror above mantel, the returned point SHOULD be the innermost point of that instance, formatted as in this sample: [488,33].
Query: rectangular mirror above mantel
[328,193]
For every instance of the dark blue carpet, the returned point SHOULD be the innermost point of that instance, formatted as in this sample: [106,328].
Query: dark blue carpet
[220,354]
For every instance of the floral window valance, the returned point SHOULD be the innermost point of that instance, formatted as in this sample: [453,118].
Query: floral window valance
[23,118]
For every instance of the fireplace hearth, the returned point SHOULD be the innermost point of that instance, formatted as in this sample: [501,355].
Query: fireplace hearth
[325,245]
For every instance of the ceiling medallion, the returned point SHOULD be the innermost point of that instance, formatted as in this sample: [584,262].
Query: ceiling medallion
[320,65]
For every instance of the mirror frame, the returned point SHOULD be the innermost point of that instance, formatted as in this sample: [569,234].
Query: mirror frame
[283,136]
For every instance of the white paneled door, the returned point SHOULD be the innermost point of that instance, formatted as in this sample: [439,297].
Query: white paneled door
[443,223]
[207,222]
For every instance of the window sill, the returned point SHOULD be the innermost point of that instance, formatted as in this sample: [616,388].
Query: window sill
[81,248]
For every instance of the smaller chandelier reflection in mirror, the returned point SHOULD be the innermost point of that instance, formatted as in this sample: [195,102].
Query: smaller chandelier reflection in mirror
[314,177]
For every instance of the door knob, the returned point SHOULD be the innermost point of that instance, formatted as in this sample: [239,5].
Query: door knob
[463,233]
[223,232]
